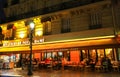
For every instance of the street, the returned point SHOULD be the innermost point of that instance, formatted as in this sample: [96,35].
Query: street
[56,73]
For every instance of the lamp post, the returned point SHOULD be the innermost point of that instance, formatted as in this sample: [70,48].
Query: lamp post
[30,64]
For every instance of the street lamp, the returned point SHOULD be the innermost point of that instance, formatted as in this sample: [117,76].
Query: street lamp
[31,27]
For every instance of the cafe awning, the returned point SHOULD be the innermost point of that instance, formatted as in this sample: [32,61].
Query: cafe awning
[61,45]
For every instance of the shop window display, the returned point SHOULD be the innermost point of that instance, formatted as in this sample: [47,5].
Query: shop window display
[54,55]
[109,53]
[67,55]
[85,54]
[43,56]
[93,54]
[100,53]
[49,55]
[60,54]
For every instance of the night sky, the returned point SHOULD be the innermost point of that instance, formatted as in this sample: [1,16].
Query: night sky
[2,15]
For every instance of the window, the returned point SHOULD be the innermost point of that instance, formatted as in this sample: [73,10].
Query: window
[93,55]
[65,27]
[38,27]
[109,53]
[95,20]
[43,56]
[60,54]
[85,54]
[10,32]
[21,30]
[47,27]
[100,53]
[49,54]
[67,55]
[54,56]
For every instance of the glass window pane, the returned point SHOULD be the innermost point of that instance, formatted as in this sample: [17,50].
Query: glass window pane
[109,53]
[100,53]
[48,54]
[60,55]
[54,55]
[93,54]
[43,56]
[85,54]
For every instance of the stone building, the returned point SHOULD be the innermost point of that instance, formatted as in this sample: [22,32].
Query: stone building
[74,29]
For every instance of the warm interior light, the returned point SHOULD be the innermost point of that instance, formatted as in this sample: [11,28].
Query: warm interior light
[83,51]
[93,51]
[39,33]
[4,29]
[22,35]
[108,51]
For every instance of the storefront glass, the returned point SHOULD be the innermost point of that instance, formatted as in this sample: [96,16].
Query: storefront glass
[54,55]
[100,53]
[109,53]
[60,54]
[80,55]
[93,55]
[49,55]
[85,54]
[66,55]
[43,56]
[5,58]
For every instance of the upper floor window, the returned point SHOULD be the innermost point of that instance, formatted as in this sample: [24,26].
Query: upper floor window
[10,32]
[65,26]
[38,27]
[47,27]
[95,20]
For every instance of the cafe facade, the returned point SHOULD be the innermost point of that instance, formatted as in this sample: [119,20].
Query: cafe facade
[76,34]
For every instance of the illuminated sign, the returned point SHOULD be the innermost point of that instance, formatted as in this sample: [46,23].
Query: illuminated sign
[19,43]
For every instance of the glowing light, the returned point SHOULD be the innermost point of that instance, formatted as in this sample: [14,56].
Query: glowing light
[22,35]
[39,33]
[93,51]
[83,51]
[108,51]
[32,25]
[83,39]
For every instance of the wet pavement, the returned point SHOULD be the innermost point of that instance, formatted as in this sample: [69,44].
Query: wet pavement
[17,72]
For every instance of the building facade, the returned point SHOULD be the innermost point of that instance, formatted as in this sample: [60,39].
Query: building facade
[74,29]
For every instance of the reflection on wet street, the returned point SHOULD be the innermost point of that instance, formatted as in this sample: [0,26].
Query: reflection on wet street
[58,73]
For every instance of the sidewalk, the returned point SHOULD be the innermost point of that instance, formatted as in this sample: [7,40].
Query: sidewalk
[17,72]
[9,73]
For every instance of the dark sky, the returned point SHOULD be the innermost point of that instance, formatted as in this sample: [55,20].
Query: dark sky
[2,15]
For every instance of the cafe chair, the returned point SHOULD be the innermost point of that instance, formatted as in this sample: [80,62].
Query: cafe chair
[115,66]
